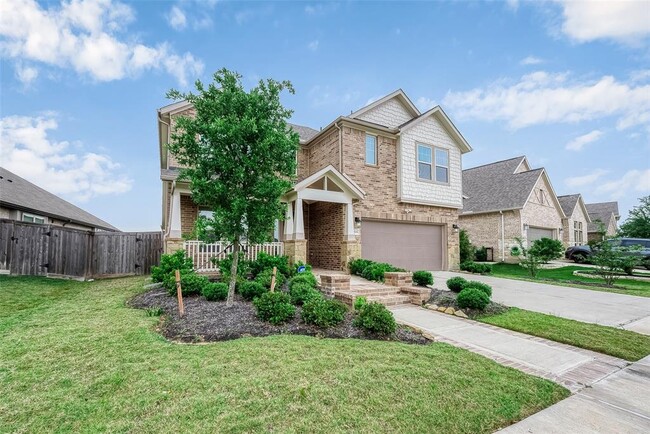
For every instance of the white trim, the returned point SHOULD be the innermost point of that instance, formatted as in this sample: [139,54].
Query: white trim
[376,152]
[447,124]
[428,202]
[175,107]
[34,217]
[523,160]
[324,196]
[339,179]
[399,94]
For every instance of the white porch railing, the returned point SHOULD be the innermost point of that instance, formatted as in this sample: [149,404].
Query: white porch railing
[204,255]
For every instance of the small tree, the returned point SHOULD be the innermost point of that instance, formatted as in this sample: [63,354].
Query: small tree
[613,261]
[239,156]
[637,224]
[465,246]
[547,249]
[528,258]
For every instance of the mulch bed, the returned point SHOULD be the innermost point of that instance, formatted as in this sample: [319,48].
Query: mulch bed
[207,321]
[448,299]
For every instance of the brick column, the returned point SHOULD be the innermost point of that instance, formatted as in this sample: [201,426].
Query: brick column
[330,283]
[398,279]
[296,250]
[350,249]
[173,244]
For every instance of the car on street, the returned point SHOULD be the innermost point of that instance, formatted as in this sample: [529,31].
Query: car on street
[641,247]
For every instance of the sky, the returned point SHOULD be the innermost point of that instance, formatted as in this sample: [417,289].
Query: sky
[565,83]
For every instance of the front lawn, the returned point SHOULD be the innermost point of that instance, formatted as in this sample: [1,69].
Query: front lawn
[616,342]
[74,357]
[564,276]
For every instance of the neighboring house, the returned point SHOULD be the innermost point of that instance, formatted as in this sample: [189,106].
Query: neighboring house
[604,217]
[383,183]
[576,222]
[23,201]
[506,200]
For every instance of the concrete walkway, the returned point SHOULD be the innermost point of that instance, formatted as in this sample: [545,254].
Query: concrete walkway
[619,403]
[598,307]
[571,367]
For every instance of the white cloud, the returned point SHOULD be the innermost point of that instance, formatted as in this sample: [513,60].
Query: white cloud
[622,21]
[637,181]
[176,18]
[313,45]
[85,35]
[29,152]
[545,98]
[25,74]
[531,60]
[581,141]
[585,180]
[321,9]
[425,103]
[513,4]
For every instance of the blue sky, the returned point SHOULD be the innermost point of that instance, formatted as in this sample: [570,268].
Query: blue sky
[567,84]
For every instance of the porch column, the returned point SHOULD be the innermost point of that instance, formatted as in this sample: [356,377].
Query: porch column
[349,222]
[288,222]
[299,229]
[175,218]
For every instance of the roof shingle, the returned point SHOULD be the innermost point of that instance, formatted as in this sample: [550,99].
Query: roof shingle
[602,211]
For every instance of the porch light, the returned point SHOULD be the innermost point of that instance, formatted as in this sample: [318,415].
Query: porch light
[455,227]
[357,222]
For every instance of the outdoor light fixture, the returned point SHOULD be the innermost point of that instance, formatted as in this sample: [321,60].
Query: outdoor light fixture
[357,222]
[455,226]
[525,226]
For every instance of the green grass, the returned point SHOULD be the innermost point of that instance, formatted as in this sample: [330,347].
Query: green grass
[608,340]
[73,357]
[564,276]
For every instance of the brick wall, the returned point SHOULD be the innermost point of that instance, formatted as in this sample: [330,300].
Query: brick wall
[189,214]
[323,152]
[541,210]
[326,222]
[484,230]
[568,231]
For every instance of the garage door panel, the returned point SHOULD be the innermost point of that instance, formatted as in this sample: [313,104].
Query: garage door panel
[539,233]
[409,246]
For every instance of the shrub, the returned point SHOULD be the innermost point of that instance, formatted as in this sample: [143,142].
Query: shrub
[376,270]
[472,298]
[359,303]
[323,313]
[169,263]
[252,290]
[358,265]
[455,284]
[481,254]
[304,277]
[225,265]
[215,291]
[423,278]
[473,267]
[375,318]
[302,292]
[265,261]
[547,249]
[487,289]
[191,283]
[465,246]
[265,278]
[274,307]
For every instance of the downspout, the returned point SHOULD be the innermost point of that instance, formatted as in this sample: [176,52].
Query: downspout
[503,237]
[171,209]
[340,147]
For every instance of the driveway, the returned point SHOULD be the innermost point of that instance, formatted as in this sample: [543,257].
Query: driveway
[572,367]
[598,307]
[619,403]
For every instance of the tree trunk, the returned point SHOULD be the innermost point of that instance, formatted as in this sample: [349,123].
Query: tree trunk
[233,274]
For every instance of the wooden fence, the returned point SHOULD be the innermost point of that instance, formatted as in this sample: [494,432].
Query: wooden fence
[204,255]
[47,250]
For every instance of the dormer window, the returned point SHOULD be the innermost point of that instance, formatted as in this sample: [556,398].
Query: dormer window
[371,150]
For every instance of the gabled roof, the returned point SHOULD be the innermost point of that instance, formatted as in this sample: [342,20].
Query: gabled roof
[569,203]
[305,133]
[603,212]
[496,187]
[399,95]
[18,193]
[442,117]
[340,179]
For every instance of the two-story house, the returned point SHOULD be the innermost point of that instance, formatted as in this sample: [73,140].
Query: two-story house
[384,183]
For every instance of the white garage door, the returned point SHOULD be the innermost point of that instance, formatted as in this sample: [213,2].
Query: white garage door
[538,233]
[405,245]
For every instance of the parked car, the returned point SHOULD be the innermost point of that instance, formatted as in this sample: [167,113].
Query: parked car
[580,254]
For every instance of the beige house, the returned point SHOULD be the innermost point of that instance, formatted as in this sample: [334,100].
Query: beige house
[382,183]
[576,222]
[604,217]
[24,201]
[506,200]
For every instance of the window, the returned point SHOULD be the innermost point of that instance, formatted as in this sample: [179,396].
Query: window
[577,233]
[371,150]
[433,169]
[33,218]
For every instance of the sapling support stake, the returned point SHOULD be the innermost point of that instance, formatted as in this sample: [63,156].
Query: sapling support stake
[275,270]
[179,294]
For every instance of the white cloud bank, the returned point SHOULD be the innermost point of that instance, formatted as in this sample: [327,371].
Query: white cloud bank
[626,21]
[544,98]
[531,60]
[581,141]
[584,180]
[27,151]
[637,181]
[86,36]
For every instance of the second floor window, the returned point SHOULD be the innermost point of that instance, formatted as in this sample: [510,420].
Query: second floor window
[433,164]
[371,150]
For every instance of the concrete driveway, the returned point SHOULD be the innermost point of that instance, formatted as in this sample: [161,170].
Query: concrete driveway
[605,308]
[619,403]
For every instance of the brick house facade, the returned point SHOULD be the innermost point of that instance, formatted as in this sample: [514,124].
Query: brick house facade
[576,222]
[338,193]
